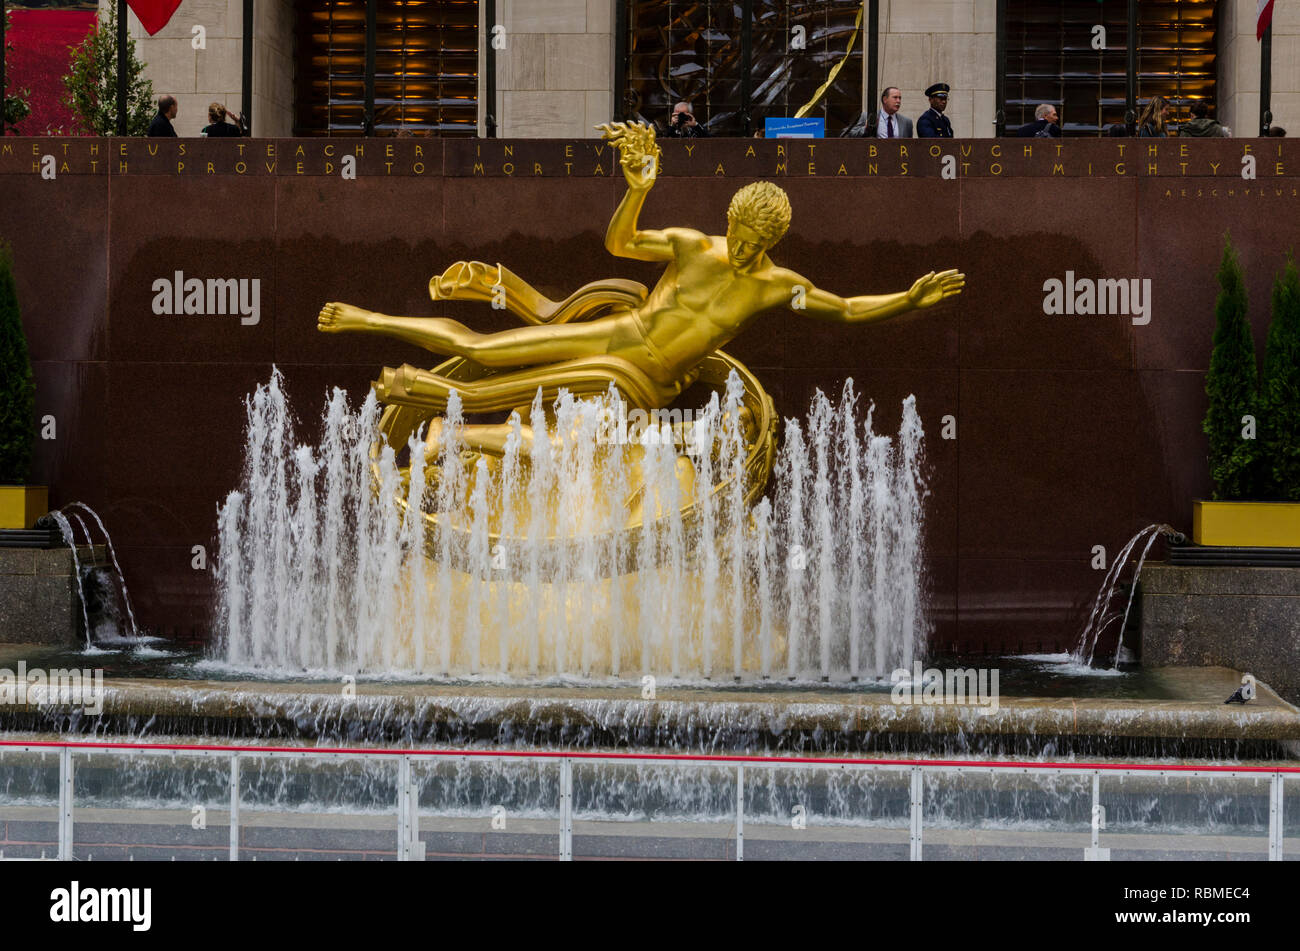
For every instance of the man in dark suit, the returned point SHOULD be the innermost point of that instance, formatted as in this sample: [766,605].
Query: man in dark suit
[161,127]
[933,124]
[1044,124]
[888,122]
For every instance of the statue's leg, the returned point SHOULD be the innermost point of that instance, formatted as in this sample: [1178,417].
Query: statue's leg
[522,346]
[490,438]
[474,280]
[585,377]
[439,334]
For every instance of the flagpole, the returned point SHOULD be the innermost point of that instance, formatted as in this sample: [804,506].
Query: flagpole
[1266,79]
[1000,74]
[872,105]
[246,69]
[121,67]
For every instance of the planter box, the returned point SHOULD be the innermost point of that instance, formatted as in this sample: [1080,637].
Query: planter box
[22,505]
[1246,524]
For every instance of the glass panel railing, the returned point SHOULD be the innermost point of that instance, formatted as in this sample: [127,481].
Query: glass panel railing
[29,804]
[1185,817]
[317,808]
[150,806]
[175,803]
[839,813]
[1006,814]
[653,810]
[488,808]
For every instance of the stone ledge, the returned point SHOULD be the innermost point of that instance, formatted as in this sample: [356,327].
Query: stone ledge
[1161,579]
[1191,717]
[17,561]
[1247,619]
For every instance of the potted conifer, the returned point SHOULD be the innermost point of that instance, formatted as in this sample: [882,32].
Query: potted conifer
[20,504]
[1253,424]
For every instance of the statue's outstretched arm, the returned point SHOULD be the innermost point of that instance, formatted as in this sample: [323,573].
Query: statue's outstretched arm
[926,292]
[639,156]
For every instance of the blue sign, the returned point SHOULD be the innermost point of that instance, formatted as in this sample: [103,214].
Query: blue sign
[794,128]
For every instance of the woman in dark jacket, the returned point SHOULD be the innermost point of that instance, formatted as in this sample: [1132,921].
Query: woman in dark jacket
[218,126]
[1151,124]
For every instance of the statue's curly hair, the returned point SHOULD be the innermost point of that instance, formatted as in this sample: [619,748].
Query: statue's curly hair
[763,207]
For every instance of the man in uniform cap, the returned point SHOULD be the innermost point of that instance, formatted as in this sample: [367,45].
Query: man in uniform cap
[933,124]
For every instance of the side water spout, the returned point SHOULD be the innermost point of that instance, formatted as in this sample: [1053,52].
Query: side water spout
[117,566]
[1098,620]
[69,539]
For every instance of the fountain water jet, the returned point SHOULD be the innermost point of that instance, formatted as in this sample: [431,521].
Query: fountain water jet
[578,556]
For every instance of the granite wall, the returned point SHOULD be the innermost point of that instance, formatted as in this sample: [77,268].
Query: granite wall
[1070,431]
[1244,618]
[39,602]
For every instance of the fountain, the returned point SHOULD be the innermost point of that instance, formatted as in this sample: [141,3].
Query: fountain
[418,538]
[324,565]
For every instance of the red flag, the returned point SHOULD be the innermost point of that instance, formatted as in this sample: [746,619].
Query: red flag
[1263,17]
[154,14]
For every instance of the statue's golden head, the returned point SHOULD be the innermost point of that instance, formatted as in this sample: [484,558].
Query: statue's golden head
[758,217]
[763,208]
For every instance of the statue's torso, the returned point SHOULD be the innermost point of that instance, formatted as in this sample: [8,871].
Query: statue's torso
[699,305]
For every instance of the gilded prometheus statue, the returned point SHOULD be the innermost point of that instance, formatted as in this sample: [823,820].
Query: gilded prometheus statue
[650,343]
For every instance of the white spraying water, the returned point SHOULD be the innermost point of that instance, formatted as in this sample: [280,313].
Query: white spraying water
[552,572]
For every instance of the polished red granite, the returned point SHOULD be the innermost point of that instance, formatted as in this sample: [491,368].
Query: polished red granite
[1072,430]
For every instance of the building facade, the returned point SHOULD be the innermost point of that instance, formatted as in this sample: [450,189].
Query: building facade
[555,68]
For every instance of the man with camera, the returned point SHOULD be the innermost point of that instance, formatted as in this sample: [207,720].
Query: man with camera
[683,124]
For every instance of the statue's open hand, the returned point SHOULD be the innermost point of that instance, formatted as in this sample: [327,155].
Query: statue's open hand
[638,153]
[932,288]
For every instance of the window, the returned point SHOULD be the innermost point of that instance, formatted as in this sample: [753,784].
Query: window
[694,50]
[1176,54]
[426,67]
[1051,58]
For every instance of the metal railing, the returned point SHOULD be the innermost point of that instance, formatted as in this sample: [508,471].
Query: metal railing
[410,847]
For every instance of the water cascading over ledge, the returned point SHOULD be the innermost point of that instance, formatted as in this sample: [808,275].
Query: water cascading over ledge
[323,570]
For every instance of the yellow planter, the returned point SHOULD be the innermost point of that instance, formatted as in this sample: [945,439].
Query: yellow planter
[1246,524]
[22,505]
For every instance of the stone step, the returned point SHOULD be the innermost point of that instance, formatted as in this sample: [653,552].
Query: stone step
[31,538]
[1223,556]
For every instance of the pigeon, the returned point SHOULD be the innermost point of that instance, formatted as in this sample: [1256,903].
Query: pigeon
[1239,696]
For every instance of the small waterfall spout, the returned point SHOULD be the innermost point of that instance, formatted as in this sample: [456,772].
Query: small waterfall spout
[110,627]
[1103,613]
